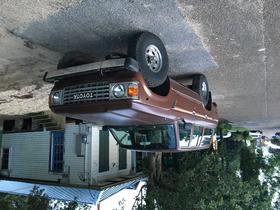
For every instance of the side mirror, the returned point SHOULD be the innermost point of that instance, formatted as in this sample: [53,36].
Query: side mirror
[187,125]
[105,128]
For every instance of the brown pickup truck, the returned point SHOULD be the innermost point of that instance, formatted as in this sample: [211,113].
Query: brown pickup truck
[115,93]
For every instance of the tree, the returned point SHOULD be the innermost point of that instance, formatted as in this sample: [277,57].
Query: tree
[37,199]
[223,127]
[246,135]
[12,202]
[249,165]
[201,182]
[155,166]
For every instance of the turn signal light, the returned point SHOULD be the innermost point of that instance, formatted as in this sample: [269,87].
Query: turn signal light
[50,101]
[132,90]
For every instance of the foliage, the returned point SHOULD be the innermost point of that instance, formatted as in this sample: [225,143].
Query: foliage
[237,136]
[223,126]
[249,165]
[12,202]
[245,135]
[240,129]
[241,135]
[37,199]
[275,141]
[224,180]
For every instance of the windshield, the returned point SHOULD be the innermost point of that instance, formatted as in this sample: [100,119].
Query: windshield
[145,137]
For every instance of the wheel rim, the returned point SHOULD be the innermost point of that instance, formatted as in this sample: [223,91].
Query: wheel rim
[153,58]
[204,89]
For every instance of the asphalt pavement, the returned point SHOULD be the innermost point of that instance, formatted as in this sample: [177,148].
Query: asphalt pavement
[235,43]
[102,27]
[243,37]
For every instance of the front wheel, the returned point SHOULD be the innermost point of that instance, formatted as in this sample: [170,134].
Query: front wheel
[200,86]
[152,58]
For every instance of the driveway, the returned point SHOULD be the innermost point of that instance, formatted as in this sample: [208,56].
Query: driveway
[36,33]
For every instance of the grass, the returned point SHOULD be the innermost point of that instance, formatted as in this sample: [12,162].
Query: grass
[240,129]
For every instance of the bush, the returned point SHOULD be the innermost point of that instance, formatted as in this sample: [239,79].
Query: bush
[36,200]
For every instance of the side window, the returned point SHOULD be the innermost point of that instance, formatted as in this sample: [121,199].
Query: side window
[5,158]
[196,136]
[185,130]
[207,137]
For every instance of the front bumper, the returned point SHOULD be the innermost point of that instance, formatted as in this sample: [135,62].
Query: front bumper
[102,66]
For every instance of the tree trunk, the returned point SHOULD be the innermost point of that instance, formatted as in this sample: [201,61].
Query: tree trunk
[222,150]
[221,136]
[155,165]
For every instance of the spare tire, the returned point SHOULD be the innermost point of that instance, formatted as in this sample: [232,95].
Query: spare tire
[200,86]
[152,58]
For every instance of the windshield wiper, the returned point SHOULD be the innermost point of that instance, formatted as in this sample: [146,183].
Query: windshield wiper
[122,138]
[119,141]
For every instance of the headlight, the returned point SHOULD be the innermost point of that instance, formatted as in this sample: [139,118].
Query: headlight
[118,90]
[56,98]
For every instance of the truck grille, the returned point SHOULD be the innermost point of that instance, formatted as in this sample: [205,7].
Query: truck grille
[86,93]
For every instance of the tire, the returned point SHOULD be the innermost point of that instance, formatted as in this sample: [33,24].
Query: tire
[209,104]
[74,59]
[200,86]
[162,89]
[149,51]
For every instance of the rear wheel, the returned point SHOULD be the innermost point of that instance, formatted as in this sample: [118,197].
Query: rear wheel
[209,104]
[200,86]
[152,58]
